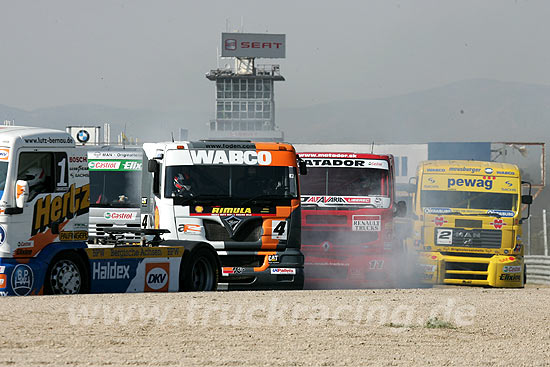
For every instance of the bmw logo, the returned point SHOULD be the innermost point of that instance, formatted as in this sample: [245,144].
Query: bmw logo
[488,170]
[83,136]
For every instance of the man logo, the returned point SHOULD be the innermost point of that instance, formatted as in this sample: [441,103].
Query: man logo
[231,44]
[156,277]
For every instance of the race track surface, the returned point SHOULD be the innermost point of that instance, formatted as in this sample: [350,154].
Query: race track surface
[469,326]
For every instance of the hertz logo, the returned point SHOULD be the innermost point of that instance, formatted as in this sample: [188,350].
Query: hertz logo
[47,210]
[231,211]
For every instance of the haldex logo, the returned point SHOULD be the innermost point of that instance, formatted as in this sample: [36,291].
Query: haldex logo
[485,183]
[111,270]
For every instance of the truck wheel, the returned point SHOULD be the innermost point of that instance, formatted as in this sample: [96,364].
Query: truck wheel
[199,271]
[66,275]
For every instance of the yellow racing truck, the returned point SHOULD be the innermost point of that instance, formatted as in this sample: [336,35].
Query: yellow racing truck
[467,223]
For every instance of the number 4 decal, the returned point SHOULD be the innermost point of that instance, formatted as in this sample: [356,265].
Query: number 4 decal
[279,229]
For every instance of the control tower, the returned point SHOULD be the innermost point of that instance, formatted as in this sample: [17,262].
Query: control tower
[245,95]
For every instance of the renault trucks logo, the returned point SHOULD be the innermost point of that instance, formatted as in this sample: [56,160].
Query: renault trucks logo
[156,277]
[83,136]
[231,44]
[22,280]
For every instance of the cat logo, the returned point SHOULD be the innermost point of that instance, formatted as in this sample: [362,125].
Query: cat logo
[50,209]
[156,277]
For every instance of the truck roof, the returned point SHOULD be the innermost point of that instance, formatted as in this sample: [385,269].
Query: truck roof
[343,155]
[469,167]
[220,144]
[25,135]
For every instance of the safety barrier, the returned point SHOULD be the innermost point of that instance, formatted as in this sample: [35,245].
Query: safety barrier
[537,269]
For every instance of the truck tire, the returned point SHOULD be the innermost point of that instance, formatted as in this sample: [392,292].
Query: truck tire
[66,274]
[199,272]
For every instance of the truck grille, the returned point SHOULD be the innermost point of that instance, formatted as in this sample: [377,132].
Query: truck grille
[481,238]
[326,271]
[339,238]
[466,266]
[249,231]
[98,231]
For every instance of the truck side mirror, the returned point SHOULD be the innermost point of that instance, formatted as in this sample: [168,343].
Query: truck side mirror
[400,209]
[302,167]
[152,166]
[527,199]
[21,193]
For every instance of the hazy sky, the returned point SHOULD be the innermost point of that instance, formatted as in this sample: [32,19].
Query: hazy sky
[154,54]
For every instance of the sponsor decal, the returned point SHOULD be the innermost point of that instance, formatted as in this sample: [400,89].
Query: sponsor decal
[3,294]
[190,228]
[229,211]
[73,235]
[58,208]
[517,248]
[439,221]
[376,264]
[22,244]
[366,223]
[290,271]
[157,277]
[104,165]
[119,215]
[133,252]
[22,279]
[2,269]
[326,246]
[486,182]
[435,169]
[508,183]
[2,235]
[110,270]
[248,157]
[235,270]
[511,269]
[437,210]
[510,277]
[502,213]
[273,259]
[444,236]
[352,163]
[506,173]
[377,201]
[3,281]
[497,223]
[4,154]
[428,268]
[144,201]
[489,170]
[464,169]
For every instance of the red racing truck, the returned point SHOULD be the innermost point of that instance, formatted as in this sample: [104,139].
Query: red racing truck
[348,212]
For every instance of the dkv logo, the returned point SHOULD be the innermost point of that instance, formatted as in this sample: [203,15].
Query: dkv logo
[156,277]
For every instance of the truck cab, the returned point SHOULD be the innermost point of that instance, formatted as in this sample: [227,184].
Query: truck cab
[239,196]
[467,223]
[348,211]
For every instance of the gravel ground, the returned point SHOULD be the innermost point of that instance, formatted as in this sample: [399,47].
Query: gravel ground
[468,326]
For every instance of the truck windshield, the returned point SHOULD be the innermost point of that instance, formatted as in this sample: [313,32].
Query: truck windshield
[3,174]
[115,189]
[468,200]
[345,182]
[240,182]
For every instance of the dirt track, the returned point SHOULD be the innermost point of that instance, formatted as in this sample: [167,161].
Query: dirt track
[363,327]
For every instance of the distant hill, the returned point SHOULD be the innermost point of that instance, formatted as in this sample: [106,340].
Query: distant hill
[471,110]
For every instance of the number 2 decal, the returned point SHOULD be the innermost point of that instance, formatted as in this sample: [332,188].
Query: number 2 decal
[279,231]
[444,236]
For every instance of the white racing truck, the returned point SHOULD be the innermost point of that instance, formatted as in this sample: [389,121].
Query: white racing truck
[116,181]
[44,207]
